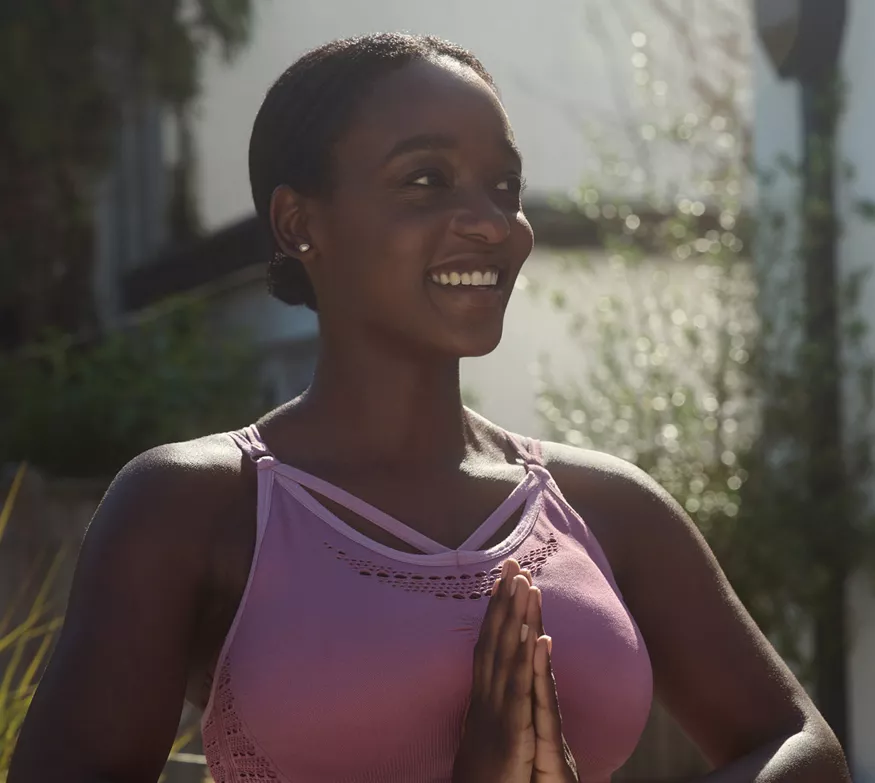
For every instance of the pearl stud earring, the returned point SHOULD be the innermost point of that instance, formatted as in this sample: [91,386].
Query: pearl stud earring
[303,247]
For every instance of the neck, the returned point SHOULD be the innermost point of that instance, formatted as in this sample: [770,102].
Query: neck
[387,407]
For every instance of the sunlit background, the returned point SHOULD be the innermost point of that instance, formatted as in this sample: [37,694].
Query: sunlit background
[698,302]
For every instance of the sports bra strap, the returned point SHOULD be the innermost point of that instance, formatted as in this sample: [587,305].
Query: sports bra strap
[529,449]
[250,443]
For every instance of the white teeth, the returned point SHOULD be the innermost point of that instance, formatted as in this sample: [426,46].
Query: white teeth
[477,278]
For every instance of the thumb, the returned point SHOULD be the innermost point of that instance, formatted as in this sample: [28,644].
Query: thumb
[548,723]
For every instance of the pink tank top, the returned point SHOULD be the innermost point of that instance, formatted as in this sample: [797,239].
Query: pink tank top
[350,662]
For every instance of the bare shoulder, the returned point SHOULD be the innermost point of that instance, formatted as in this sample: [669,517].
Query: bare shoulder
[178,508]
[177,485]
[626,509]
[597,471]
[206,460]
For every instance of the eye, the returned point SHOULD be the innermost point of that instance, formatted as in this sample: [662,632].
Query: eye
[512,184]
[428,179]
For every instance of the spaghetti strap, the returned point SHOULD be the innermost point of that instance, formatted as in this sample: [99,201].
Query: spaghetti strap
[301,485]
[523,495]
[533,447]
[528,448]
[250,442]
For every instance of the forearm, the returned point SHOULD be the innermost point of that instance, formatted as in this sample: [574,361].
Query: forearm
[806,757]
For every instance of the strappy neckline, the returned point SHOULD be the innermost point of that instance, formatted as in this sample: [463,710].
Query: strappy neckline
[298,482]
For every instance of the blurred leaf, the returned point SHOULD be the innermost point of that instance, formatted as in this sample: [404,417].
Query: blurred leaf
[85,410]
[865,208]
[70,72]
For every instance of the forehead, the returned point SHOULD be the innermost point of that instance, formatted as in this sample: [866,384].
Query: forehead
[441,98]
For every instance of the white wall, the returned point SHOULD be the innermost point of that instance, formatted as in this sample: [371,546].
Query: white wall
[539,335]
[537,52]
[778,131]
[560,64]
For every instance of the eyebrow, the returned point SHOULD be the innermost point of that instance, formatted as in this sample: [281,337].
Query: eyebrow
[440,141]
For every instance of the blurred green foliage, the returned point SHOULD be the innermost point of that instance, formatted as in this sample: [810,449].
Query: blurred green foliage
[85,410]
[704,378]
[68,72]
[83,403]
[667,387]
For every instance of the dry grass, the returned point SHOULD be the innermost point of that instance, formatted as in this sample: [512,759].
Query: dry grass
[26,636]
[24,646]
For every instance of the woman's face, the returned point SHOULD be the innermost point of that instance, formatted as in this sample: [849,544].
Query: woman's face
[423,236]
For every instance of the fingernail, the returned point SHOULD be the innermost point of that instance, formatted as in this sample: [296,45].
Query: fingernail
[549,645]
[495,586]
[540,597]
[524,632]
[505,568]
[513,585]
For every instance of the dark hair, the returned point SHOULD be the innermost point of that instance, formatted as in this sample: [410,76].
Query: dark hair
[305,113]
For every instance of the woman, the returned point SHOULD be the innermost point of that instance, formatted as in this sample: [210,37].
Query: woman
[265,575]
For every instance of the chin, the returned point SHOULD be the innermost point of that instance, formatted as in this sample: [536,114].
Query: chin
[453,335]
[471,344]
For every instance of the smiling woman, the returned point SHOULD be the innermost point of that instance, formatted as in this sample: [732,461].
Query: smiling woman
[358,586]
[425,181]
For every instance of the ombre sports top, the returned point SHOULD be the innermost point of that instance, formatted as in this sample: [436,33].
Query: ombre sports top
[351,662]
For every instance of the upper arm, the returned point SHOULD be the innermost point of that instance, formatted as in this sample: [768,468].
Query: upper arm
[109,703]
[713,668]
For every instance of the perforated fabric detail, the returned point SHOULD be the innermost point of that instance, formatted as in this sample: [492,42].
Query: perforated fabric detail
[471,585]
[231,754]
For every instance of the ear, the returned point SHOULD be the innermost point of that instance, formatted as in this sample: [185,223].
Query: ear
[288,221]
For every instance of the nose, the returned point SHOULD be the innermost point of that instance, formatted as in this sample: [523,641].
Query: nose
[479,218]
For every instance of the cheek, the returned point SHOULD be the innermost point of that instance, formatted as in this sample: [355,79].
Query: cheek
[523,237]
[386,250]
[412,238]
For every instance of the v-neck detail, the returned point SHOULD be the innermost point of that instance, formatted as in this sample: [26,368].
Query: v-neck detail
[297,482]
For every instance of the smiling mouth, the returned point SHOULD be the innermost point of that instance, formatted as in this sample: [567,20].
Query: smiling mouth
[486,278]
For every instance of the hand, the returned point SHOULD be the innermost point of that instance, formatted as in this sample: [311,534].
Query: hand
[498,742]
[553,760]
